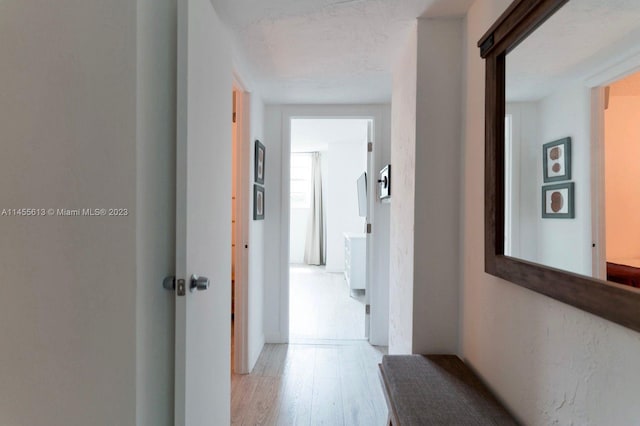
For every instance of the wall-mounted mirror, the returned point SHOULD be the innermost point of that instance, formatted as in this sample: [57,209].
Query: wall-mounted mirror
[563,152]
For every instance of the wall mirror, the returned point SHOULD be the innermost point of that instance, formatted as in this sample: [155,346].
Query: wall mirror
[562,157]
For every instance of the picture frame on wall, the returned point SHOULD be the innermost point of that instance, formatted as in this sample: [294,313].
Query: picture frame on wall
[556,159]
[558,201]
[258,202]
[259,162]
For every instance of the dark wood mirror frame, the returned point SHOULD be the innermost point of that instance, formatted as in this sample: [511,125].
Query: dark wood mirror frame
[614,302]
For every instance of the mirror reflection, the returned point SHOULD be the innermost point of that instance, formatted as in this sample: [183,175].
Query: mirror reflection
[572,142]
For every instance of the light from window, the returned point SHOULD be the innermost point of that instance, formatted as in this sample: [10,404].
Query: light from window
[300,181]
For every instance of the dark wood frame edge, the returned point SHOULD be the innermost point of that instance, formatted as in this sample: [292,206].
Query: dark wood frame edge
[614,302]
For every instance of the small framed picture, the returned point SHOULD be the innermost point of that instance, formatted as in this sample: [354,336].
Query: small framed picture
[258,202]
[259,163]
[557,201]
[556,159]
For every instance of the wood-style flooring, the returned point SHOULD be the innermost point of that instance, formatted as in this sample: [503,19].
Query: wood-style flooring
[311,384]
[322,307]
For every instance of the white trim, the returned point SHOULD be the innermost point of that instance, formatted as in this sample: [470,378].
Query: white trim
[598,213]
[614,72]
[508,186]
[285,213]
[241,308]
[369,112]
[372,195]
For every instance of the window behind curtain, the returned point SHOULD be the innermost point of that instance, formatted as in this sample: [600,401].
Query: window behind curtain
[300,181]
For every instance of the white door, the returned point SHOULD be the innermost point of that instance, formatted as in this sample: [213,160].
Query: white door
[372,184]
[203,218]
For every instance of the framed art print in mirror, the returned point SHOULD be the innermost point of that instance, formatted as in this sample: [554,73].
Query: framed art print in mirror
[558,201]
[557,160]
[258,202]
[259,162]
[547,78]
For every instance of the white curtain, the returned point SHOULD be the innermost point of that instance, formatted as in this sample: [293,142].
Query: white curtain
[314,251]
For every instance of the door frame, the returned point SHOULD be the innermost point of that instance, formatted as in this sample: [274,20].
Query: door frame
[598,84]
[366,112]
[243,185]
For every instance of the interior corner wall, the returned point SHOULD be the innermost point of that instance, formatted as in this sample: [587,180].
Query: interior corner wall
[68,304]
[155,213]
[549,362]
[425,237]
[403,166]
[437,201]
[257,240]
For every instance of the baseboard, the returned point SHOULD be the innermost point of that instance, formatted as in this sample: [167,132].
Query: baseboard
[275,339]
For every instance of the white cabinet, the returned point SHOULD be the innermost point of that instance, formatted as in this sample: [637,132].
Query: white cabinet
[355,260]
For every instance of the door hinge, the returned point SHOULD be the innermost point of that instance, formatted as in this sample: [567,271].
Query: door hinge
[368,228]
[367,309]
[370,147]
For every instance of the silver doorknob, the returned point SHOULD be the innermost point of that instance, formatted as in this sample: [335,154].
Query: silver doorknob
[169,283]
[199,283]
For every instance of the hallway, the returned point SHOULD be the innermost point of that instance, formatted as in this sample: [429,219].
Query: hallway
[321,307]
[335,384]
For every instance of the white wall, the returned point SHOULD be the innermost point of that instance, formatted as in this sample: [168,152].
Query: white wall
[378,254]
[549,362]
[402,212]
[68,130]
[275,258]
[560,243]
[437,237]
[258,244]
[425,148]
[155,216]
[566,243]
[526,172]
[277,218]
[345,163]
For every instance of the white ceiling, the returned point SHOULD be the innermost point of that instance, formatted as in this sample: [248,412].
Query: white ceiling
[326,51]
[580,40]
[308,135]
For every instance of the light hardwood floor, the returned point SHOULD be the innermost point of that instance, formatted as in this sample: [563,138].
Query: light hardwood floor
[321,384]
[321,306]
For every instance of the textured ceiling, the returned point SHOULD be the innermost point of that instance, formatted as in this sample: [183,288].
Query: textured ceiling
[325,51]
[317,134]
[580,40]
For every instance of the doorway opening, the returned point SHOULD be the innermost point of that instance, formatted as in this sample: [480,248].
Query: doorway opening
[239,227]
[619,194]
[327,239]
